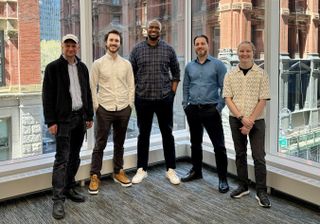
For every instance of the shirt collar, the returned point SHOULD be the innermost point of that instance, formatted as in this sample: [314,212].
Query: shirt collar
[207,59]
[75,58]
[253,68]
[158,43]
[110,57]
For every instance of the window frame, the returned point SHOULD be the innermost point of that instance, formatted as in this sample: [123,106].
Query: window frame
[2,59]
[284,173]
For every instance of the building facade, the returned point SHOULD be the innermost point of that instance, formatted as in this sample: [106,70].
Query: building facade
[225,22]
[50,28]
[20,111]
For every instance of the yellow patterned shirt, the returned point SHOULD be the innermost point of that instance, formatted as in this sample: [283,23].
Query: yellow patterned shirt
[247,90]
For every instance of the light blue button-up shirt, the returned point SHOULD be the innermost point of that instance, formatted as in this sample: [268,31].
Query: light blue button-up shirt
[203,83]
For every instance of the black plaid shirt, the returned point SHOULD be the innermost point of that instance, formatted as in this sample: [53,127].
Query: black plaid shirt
[154,68]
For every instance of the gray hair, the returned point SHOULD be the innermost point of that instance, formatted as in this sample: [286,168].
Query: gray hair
[157,21]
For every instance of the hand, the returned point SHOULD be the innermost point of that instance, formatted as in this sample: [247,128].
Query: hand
[244,130]
[53,129]
[247,122]
[89,124]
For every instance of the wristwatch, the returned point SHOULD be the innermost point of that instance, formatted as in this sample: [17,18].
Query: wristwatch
[240,118]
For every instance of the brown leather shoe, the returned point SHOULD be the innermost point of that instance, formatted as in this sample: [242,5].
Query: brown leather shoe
[94,184]
[122,179]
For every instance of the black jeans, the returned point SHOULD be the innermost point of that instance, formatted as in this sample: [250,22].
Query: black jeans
[206,116]
[69,140]
[256,137]
[119,120]
[145,110]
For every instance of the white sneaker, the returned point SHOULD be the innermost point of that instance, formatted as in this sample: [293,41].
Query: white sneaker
[172,176]
[140,175]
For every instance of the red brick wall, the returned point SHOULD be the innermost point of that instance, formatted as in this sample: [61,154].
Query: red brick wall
[11,62]
[29,41]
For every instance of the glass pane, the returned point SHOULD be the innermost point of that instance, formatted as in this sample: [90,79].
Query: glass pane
[299,79]
[4,139]
[130,18]
[227,23]
[57,18]
[25,49]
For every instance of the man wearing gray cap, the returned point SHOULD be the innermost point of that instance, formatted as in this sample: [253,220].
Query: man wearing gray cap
[68,112]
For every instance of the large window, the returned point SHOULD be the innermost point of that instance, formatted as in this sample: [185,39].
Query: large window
[30,33]
[57,18]
[130,18]
[23,58]
[227,23]
[299,113]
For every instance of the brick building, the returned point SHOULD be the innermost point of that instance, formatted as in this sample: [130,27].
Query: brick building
[20,91]
[226,22]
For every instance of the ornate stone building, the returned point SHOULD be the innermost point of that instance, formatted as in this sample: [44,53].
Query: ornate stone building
[20,79]
[227,23]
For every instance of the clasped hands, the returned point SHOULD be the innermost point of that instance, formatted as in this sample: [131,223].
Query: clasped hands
[247,125]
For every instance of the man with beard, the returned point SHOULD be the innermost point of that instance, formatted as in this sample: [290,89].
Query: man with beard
[112,85]
[203,103]
[152,61]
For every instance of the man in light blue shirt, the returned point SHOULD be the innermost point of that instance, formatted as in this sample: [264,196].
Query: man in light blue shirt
[203,103]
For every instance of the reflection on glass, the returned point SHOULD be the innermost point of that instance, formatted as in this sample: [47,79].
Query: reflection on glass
[25,49]
[299,132]
[4,139]
[227,23]
[130,18]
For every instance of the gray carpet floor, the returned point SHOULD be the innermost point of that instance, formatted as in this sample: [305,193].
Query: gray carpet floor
[155,200]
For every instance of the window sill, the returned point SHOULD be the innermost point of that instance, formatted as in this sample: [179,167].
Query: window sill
[18,177]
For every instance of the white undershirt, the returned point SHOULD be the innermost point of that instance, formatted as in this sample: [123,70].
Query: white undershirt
[75,90]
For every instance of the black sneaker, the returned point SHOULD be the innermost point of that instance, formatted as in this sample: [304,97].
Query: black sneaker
[263,199]
[240,191]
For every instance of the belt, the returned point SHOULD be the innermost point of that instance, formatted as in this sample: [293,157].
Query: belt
[205,106]
[77,112]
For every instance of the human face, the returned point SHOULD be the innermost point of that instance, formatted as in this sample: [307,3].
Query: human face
[201,47]
[113,43]
[154,31]
[245,53]
[70,48]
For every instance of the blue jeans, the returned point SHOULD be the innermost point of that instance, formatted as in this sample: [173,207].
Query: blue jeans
[206,116]
[69,140]
[145,110]
[256,137]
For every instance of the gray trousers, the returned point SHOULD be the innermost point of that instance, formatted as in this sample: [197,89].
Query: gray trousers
[257,139]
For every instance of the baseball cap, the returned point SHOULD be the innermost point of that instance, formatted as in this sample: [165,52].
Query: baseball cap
[70,37]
